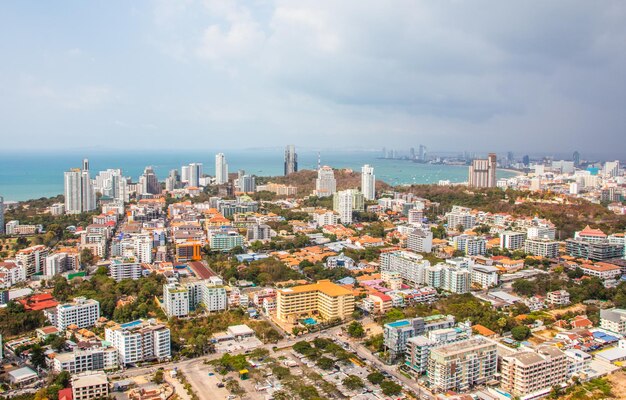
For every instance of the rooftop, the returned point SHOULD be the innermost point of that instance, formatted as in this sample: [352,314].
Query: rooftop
[324,286]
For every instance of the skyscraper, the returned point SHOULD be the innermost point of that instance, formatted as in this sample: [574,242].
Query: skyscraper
[576,159]
[291,160]
[149,182]
[421,155]
[325,184]
[221,169]
[80,195]
[1,215]
[368,182]
[112,184]
[482,173]
[526,160]
[184,173]
[172,181]
[195,173]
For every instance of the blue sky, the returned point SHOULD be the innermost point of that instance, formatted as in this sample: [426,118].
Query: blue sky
[477,76]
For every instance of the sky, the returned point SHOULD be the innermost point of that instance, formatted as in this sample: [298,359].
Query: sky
[182,74]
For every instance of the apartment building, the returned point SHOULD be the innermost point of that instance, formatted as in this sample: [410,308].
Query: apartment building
[86,359]
[558,297]
[460,216]
[470,245]
[11,272]
[410,266]
[462,365]
[89,386]
[324,299]
[397,333]
[485,276]
[418,348]
[420,240]
[120,270]
[33,259]
[614,320]
[179,299]
[512,240]
[225,241]
[81,312]
[601,270]
[542,247]
[140,340]
[593,250]
[527,372]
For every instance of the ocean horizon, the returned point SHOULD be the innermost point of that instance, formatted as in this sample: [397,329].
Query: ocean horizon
[31,176]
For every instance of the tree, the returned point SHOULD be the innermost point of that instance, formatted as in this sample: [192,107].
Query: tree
[302,347]
[393,315]
[353,382]
[524,287]
[390,388]
[376,377]
[281,372]
[520,332]
[37,357]
[355,330]
[158,377]
[87,257]
[325,363]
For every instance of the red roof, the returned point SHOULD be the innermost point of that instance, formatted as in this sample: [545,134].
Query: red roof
[381,296]
[65,394]
[39,302]
[201,270]
[591,232]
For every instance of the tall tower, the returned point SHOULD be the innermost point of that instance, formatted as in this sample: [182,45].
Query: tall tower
[195,173]
[221,169]
[149,182]
[482,173]
[576,159]
[79,192]
[368,182]
[291,160]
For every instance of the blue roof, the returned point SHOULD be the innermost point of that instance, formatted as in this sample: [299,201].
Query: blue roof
[348,280]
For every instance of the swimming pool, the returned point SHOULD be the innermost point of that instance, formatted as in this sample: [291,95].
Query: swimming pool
[310,321]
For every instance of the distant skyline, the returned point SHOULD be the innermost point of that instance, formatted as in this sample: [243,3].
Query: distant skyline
[526,76]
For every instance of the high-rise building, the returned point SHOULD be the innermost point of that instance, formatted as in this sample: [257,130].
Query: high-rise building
[368,182]
[462,365]
[111,183]
[482,173]
[343,205]
[576,159]
[1,215]
[149,182]
[221,169]
[421,155]
[420,240]
[527,372]
[173,180]
[512,240]
[325,184]
[80,195]
[195,173]
[291,160]
[526,160]
[184,173]
[140,340]
[611,168]
[409,265]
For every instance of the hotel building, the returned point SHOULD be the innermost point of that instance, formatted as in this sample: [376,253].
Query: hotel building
[324,298]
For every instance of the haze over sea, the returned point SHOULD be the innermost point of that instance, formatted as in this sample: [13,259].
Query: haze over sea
[34,175]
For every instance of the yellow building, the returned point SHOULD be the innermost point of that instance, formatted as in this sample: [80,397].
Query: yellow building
[324,299]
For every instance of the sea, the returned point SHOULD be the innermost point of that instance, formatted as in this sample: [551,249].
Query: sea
[26,176]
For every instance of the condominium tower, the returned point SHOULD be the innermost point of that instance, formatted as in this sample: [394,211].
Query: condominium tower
[482,173]
[291,160]
[221,169]
[80,195]
[368,182]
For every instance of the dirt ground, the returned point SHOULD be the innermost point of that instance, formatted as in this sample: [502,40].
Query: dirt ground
[618,383]
[576,308]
